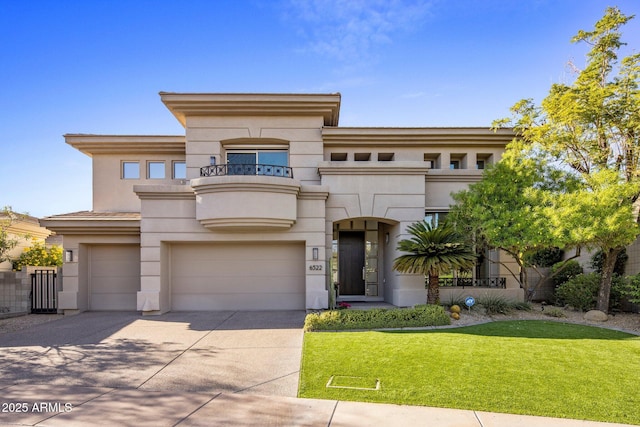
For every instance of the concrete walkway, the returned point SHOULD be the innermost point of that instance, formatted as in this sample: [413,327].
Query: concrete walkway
[188,369]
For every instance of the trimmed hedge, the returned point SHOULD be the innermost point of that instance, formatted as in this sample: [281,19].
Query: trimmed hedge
[377,318]
[581,291]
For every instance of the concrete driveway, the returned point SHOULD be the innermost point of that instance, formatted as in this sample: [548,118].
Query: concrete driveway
[212,352]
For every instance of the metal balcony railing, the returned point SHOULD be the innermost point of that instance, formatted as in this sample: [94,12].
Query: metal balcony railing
[493,282]
[251,169]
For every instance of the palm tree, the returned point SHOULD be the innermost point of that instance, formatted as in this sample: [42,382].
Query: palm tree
[433,251]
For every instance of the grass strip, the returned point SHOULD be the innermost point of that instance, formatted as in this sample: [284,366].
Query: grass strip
[520,367]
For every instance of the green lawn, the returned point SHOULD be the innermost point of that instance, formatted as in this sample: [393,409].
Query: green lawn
[521,367]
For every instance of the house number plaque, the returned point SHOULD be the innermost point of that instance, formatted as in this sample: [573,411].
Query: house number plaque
[315,267]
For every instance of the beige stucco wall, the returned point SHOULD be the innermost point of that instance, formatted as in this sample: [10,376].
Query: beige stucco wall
[390,192]
[393,187]
[212,136]
[633,263]
[169,216]
[112,193]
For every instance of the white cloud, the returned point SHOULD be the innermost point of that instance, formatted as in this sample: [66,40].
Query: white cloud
[351,30]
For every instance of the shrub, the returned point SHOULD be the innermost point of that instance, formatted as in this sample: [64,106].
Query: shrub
[631,289]
[597,261]
[618,286]
[565,270]
[546,257]
[522,306]
[554,312]
[39,255]
[580,291]
[494,304]
[454,300]
[377,318]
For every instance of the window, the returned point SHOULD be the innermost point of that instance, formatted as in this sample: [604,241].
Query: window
[155,170]
[432,160]
[454,164]
[338,157]
[179,170]
[131,170]
[483,160]
[263,162]
[385,157]
[362,157]
[435,218]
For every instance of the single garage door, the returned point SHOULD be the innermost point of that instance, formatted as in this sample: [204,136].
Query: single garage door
[237,276]
[114,277]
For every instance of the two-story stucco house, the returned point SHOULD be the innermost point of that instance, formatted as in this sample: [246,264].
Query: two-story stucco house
[264,203]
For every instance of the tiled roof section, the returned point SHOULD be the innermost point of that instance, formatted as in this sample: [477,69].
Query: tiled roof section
[90,215]
[21,217]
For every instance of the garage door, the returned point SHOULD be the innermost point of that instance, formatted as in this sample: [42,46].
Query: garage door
[232,276]
[114,277]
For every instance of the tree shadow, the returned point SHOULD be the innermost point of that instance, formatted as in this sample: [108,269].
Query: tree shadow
[173,351]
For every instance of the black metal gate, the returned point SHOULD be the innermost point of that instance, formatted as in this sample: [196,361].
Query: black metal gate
[43,292]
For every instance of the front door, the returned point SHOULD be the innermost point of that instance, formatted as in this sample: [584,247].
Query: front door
[351,262]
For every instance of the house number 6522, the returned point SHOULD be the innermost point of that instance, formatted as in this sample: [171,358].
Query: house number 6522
[315,267]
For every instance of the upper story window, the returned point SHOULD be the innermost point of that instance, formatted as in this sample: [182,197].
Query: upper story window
[454,164]
[432,160]
[480,164]
[258,162]
[179,170]
[155,170]
[131,170]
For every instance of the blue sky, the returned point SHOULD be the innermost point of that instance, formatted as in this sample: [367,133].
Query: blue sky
[96,66]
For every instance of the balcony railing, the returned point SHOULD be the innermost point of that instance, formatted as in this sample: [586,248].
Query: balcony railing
[251,169]
[463,282]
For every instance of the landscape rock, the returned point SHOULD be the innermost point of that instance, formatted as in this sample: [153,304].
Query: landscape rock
[596,316]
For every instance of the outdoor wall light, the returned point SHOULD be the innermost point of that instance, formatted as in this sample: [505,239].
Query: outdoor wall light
[68,255]
[315,254]
[212,160]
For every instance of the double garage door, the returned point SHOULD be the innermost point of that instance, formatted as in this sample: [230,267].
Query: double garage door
[238,276]
[229,276]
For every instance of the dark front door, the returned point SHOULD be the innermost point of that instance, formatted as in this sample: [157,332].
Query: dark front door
[351,262]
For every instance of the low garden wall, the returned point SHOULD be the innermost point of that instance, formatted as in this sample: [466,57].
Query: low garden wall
[15,291]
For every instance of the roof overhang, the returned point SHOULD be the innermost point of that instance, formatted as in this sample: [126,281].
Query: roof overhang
[126,144]
[113,223]
[183,105]
[434,136]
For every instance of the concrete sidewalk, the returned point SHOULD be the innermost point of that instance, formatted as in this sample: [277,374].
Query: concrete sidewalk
[189,369]
[48,405]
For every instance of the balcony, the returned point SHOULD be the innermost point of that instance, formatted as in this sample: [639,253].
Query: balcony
[247,169]
[467,282]
[246,197]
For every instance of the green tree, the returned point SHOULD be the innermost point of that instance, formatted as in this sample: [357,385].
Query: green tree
[591,127]
[509,210]
[431,252]
[8,240]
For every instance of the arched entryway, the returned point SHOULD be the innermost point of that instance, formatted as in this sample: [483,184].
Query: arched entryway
[359,264]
